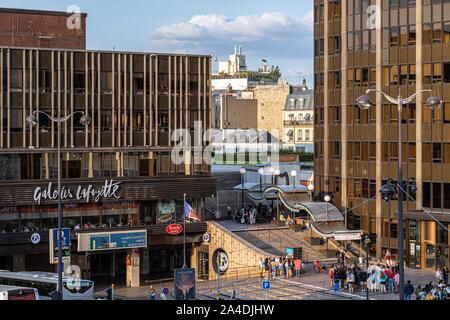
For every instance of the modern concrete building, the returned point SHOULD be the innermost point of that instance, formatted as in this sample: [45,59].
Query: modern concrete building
[298,120]
[393,46]
[117,172]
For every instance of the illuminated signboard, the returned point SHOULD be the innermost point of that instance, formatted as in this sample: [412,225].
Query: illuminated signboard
[112,240]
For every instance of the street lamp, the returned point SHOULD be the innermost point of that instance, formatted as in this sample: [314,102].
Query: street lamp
[434,102]
[367,243]
[85,120]
[294,174]
[261,172]
[276,173]
[387,192]
[242,171]
[327,199]
[311,190]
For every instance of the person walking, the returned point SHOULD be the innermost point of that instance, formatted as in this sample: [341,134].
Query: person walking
[351,281]
[297,267]
[262,267]
[229,212]
[390,281]
[331,273]
[151,293]
[417,292]
[362,276]
[387,257]
[382,278]
[445,274]
[409,290]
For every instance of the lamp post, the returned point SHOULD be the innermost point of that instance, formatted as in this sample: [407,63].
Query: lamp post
[261,172]
[311,190]
[85,120]
[367,243]
[327,199]
[276,173]
[272,170]
[242,171]
[364,102]
[294,174]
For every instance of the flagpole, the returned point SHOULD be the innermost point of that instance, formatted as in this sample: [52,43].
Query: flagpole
[184,232]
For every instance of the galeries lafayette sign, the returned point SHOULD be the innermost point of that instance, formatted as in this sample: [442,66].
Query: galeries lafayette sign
[109,190]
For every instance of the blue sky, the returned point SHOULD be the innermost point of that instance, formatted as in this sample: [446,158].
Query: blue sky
[277,30]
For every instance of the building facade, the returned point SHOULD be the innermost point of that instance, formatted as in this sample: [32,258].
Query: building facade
[117,172]
[45,29]
[298,119]
[392,46]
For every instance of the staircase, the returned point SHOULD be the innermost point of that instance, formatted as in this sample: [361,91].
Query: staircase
[275,240]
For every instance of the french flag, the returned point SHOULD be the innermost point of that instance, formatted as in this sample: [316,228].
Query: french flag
[190,213]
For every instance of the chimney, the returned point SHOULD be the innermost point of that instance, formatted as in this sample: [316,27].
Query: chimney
[235,49]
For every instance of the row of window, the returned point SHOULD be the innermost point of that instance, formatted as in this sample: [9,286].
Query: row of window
[37,166]
[291,135]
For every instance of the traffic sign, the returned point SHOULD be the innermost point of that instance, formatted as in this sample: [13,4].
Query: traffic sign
[165,291]
[266,285]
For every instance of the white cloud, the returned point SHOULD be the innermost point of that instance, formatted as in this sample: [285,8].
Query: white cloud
[273,35]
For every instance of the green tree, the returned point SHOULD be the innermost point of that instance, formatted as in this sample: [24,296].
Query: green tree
[275,72]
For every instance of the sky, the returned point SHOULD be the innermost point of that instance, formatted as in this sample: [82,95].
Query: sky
[280,31]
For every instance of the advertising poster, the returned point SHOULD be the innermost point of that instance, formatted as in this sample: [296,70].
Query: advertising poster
[166,212]
[184,284]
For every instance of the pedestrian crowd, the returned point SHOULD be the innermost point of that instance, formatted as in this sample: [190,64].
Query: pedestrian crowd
[280,267]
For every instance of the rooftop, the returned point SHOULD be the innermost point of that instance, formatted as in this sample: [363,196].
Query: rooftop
[39,12]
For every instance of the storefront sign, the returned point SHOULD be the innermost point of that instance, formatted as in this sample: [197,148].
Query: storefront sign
[166,211]
[174,229]
[184,284]
[112,240]
[206,237]
[347,236]
[110,190]
[220,262]
[35,238]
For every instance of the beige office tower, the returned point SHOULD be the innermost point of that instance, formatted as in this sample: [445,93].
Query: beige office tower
[391,45]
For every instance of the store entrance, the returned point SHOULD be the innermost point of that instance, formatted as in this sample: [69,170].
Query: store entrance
[442,256]
[203,265]
[108,268]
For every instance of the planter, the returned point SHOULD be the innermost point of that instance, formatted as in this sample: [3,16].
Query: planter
[288,158]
